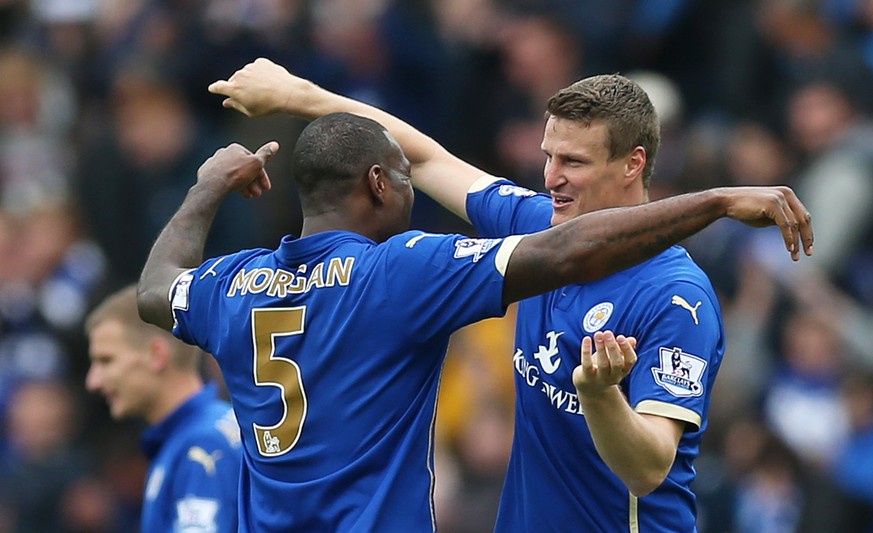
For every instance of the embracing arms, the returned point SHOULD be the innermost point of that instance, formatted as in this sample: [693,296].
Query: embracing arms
[594,245]
[586,248]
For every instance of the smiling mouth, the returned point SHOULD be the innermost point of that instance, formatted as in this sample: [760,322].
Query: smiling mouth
[559,202]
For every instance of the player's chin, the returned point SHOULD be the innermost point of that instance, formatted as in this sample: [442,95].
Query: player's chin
[559,217]
[117,411]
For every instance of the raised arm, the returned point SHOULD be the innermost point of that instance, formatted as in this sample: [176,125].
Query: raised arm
[179,246]
[263,87]
[597,244]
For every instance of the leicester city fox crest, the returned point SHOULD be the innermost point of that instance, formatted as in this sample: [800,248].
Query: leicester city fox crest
[597,316]
[680,373]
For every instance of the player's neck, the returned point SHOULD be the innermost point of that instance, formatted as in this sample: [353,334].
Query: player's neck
[341,219]
[178,389]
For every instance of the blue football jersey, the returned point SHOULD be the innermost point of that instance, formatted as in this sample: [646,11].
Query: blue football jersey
[556,480]
[195,457]
[331,347]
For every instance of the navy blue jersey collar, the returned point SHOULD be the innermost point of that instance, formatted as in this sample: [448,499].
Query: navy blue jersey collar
[154,437]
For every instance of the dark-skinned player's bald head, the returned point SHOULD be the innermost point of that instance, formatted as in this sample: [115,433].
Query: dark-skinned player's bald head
[331,153]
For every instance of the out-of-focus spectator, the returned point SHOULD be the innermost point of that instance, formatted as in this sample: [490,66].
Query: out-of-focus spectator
[803,46]
[481,454]
[63,32]
[750,358]
[673,152]
[474,424]
[49,274]
[853,469]
[478,369]
[142,166]
[808,381]
[769,497]
[40,461]
[836,179]
[36,117]
[540,55]
[845,315]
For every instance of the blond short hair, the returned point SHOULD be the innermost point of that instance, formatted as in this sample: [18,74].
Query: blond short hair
[121,307]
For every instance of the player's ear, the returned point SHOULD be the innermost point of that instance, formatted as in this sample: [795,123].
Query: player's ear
[635,163]
[160,353]
[377,180]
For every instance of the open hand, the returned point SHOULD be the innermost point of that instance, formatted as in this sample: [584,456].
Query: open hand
[607,366]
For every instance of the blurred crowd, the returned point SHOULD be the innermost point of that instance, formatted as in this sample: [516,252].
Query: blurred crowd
[105,118]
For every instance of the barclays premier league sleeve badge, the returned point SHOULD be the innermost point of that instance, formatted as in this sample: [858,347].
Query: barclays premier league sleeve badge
[680,373]
[475,248]
[179,291]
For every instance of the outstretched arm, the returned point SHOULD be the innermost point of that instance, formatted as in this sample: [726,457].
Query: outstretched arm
[180,245]
[597,244]
[263,87]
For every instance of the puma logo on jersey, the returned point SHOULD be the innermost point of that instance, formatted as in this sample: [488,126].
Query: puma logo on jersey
[683,303]
[413,241]
[211,269]
[208,460]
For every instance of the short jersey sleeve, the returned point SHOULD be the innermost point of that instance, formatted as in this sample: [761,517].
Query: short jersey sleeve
[680,346]
[195,311]
[498,208]
[439,283]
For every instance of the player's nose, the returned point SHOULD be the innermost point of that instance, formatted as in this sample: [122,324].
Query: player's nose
[92,380]
[552,176]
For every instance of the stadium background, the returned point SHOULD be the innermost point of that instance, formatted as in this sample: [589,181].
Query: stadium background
[104,119]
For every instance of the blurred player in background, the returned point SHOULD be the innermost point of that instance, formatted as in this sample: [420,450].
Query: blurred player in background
[192,441]
[591,438]
[331,345]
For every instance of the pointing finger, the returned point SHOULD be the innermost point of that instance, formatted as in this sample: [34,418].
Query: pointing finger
[266,151]
[218,87]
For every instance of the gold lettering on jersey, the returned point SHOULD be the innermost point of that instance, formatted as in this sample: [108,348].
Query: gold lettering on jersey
[261,280]
[279,286]
[340,272]
[279,283]
[316,279]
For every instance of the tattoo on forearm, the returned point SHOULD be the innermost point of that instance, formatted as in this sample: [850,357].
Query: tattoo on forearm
[634,245]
